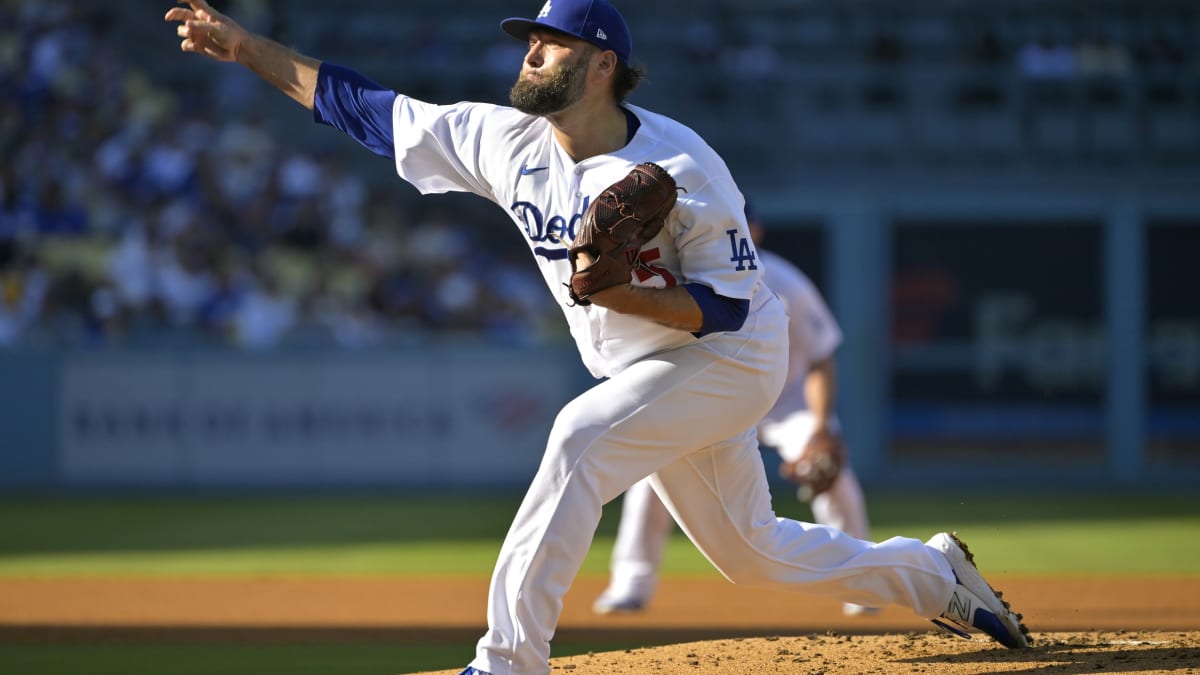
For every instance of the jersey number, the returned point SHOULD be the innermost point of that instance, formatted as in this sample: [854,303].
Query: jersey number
[743,254]
[645,270]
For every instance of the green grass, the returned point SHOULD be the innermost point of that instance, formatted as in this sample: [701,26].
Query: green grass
[356,535]
[1039,534]
[373,535]
[169,659]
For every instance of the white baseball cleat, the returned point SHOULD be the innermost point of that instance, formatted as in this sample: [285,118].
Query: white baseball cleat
[974,603]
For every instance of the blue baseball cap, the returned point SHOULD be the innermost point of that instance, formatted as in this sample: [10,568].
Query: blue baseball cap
[594,21]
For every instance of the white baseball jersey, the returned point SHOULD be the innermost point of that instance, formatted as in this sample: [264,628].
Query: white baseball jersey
[680,408]
[513,159]
[813,333]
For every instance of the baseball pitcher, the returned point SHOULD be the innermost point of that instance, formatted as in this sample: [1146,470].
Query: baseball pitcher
[638,230]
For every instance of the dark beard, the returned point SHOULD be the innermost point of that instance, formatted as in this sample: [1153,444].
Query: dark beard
[553,94]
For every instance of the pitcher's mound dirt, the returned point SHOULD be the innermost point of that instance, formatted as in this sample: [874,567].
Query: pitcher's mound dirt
[928,653]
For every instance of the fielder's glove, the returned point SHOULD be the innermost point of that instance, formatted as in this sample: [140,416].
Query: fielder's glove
[818,466]
[623,218]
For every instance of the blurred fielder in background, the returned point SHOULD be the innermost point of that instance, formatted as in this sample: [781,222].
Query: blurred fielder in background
[689,342]
[800,427]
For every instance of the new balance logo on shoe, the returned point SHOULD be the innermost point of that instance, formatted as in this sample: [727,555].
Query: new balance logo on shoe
[959,608]
[974,603]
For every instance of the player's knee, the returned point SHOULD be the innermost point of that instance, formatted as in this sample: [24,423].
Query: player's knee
[578,425]
[566,435]
[574,417]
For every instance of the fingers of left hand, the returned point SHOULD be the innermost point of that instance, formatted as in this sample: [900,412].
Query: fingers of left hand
[199,30]
[179,14]
[198,5]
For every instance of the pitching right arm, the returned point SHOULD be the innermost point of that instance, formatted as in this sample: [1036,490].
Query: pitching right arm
[206,31]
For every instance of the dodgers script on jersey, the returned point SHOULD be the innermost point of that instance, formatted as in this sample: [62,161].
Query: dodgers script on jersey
[513,159]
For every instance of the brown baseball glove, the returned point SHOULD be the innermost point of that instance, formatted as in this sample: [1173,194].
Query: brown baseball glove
[623,218]
[818,466]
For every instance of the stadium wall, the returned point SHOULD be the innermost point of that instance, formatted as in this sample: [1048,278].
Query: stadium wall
[438,417]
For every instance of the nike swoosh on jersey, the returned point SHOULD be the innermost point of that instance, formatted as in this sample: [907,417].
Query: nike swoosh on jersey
[526,170]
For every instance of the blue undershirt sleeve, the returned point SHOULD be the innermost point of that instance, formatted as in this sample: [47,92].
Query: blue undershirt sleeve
[720,313]
[353,104]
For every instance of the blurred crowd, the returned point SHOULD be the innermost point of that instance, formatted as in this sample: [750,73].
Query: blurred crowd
[129,218]
[132,215]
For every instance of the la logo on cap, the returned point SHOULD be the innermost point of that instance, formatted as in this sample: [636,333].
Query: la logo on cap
[594,21]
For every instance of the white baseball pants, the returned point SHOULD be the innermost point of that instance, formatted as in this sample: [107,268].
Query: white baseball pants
[689,417]
[646,526]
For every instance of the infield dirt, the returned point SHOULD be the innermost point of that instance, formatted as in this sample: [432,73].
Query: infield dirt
[696,625]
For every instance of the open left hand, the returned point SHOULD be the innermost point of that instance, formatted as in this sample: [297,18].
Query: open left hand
[206,31]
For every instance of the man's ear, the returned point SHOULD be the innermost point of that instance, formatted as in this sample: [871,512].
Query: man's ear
[606,64]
